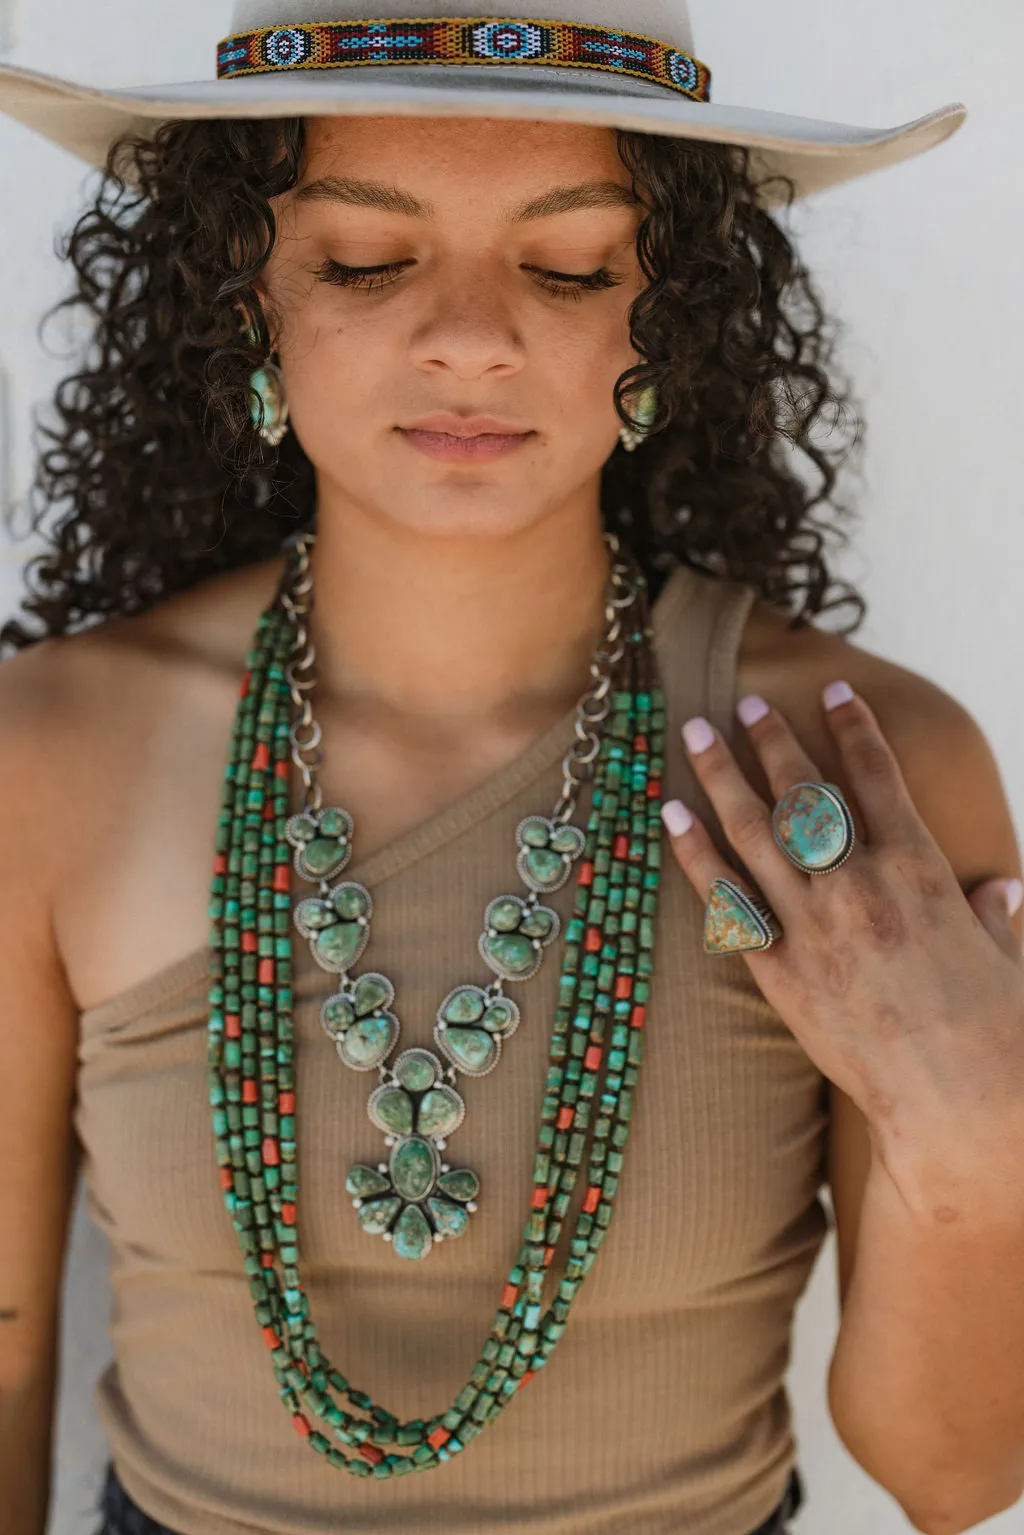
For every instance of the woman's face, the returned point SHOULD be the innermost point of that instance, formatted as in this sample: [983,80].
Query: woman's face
[449,299]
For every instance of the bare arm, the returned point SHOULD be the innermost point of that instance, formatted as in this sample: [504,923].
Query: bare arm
[38,1034]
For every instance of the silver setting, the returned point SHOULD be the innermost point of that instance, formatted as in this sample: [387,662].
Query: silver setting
[306,910]
[305,818]
[568,858]
[488,995]
[419,1054]
[538,944]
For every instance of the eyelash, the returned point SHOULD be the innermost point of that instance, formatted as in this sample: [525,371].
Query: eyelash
[373,278]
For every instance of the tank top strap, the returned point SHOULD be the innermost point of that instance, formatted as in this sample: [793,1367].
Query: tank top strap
[698,628]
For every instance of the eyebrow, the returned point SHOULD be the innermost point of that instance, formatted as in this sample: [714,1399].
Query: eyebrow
[389,199]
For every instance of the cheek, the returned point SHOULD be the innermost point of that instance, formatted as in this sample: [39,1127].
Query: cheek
[336,366]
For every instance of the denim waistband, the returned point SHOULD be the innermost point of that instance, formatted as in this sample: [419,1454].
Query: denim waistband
[121,1516]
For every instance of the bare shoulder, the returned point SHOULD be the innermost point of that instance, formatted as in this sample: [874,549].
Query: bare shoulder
[111,737]
[73,706]
[944,755]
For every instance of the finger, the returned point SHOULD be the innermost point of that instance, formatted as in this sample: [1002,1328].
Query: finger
[701,861]
[696,854]
[784,760]
[995,903]
[746,819]
[875,774]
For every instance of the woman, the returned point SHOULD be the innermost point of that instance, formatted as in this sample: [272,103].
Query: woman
[391,427]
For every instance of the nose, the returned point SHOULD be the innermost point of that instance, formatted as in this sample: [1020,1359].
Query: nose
[470,329]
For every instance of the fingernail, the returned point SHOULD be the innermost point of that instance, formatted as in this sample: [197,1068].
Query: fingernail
[751,709]
[1014,895]
[677,818]
[836,693]
[698,734]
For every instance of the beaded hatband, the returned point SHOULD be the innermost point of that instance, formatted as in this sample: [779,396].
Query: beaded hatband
[461,40]
[595,1055]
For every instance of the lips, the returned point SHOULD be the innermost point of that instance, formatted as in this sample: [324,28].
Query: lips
[451,425]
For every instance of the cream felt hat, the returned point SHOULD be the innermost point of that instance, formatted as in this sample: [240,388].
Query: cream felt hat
[577,62]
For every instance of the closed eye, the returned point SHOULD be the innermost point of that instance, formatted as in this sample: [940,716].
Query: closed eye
[374,278]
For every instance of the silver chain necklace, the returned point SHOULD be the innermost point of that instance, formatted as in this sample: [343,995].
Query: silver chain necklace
[415,1199]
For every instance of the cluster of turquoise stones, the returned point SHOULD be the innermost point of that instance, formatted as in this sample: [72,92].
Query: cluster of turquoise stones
[596,1050]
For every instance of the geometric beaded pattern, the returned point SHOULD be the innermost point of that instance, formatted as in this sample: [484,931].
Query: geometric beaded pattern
[596,1050]
[462,40]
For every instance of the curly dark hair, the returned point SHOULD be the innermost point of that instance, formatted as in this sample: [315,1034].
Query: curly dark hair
[153,477]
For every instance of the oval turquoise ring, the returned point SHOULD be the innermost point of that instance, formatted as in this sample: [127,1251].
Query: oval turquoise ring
[813,826]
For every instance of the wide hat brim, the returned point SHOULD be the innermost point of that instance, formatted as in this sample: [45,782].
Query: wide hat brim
[813,154]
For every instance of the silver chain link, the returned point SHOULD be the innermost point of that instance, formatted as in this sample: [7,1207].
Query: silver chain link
[593,709]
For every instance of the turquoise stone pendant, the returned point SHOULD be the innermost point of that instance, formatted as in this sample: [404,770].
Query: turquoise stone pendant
[359,1020]
[813,826]
[736,923]
[322,840]
[471,1024]
[547,851]
[336,924]
[414,1199]
[515,934]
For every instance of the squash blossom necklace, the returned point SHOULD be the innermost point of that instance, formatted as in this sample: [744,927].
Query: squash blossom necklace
[414,1199]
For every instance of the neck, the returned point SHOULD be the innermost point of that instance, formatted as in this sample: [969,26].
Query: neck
[446,632]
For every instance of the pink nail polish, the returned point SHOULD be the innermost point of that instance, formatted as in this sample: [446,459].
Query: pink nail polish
[836,693]
[751,709]
[677,818]
[698,734]
[1014,896]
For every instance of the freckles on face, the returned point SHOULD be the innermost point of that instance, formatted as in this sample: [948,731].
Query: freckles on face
[435,283]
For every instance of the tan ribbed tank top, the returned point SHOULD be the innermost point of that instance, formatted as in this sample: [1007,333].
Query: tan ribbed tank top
[663,1408]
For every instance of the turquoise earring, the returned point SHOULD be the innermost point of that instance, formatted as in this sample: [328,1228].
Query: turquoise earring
[267,401]
[644,412]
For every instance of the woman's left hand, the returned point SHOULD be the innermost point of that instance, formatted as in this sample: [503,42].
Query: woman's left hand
[904,992]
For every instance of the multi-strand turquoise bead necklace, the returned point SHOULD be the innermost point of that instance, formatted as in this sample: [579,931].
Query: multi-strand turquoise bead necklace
[414,1199]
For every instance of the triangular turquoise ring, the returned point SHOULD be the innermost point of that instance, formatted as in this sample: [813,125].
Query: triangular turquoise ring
[737,923]
[813,826]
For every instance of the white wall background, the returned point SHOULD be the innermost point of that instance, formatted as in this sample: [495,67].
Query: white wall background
[923,262]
